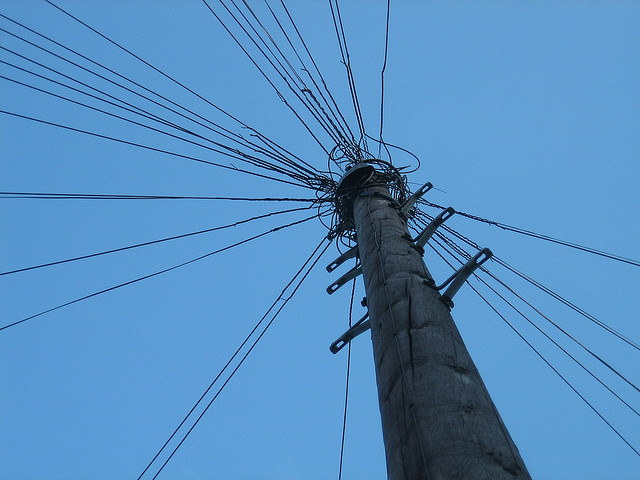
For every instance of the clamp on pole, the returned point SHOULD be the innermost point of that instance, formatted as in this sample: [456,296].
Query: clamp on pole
[456,280]
[410,202]
[351,253]
[359,327]
[350,275]
[422,239]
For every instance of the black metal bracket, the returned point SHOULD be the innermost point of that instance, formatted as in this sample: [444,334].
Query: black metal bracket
[351,253]
[359,327]
[410,202]
[456,280]
[350,275]
[424,236]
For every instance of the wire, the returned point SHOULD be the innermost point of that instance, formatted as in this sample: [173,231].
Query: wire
[264,74]
[275,315]
[538,353]
[159,150]
[343,122]
[384,67]
[172,79]
[93,196]
[346,387]
[277,156]
[153,242]
[344,51]
[557,372]
[540,236]
[174,267]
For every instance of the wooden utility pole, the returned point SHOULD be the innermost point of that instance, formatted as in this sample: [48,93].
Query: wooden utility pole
[437,417]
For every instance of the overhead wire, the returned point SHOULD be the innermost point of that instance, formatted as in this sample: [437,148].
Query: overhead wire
[341,120]
[153,242]
[180,84]
[312,104]
[286,164]
[154,149]
[280,95]
[528,343]
[346,60]
[222,149]
[274,152]
[346,386]
[384,67]
[545,289]
[94,196]
[540,236]
[284,302]
[154,274]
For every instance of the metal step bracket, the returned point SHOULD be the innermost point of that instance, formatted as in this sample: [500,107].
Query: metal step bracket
[351,253]
[359,327]
[350,275]
[460,277]
[422,239]
[411,201]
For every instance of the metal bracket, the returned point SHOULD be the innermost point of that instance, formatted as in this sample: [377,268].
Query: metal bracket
[359,327]
[456,280]
[410,202]
[350,275]
[351,253]
[422,239]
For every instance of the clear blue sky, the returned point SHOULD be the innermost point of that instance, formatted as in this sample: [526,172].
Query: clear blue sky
[522,112]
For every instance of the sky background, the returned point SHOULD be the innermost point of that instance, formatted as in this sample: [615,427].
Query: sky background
[526,113]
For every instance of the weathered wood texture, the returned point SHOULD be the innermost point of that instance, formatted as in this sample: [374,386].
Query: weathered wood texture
[454,430]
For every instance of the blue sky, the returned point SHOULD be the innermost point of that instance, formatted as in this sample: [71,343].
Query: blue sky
[525,113]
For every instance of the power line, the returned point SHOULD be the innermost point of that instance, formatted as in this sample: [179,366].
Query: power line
[152,242]
[154,149]
[346,386]
[174,267]
[542,356]
[93,196]
[384,67]
[175,81]
[541,236]
[275,315]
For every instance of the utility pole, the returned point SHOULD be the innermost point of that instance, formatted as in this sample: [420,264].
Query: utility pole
[438,420]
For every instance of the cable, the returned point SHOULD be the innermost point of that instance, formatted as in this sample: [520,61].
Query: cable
[384,67]
[346,387]
[344,51]
[265,75]
[152,242]
[115,287]
[235,354]
[159,150]
[540,236]
[93,196]
[557,372]
[218,130]
[243,359]
[244,125]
